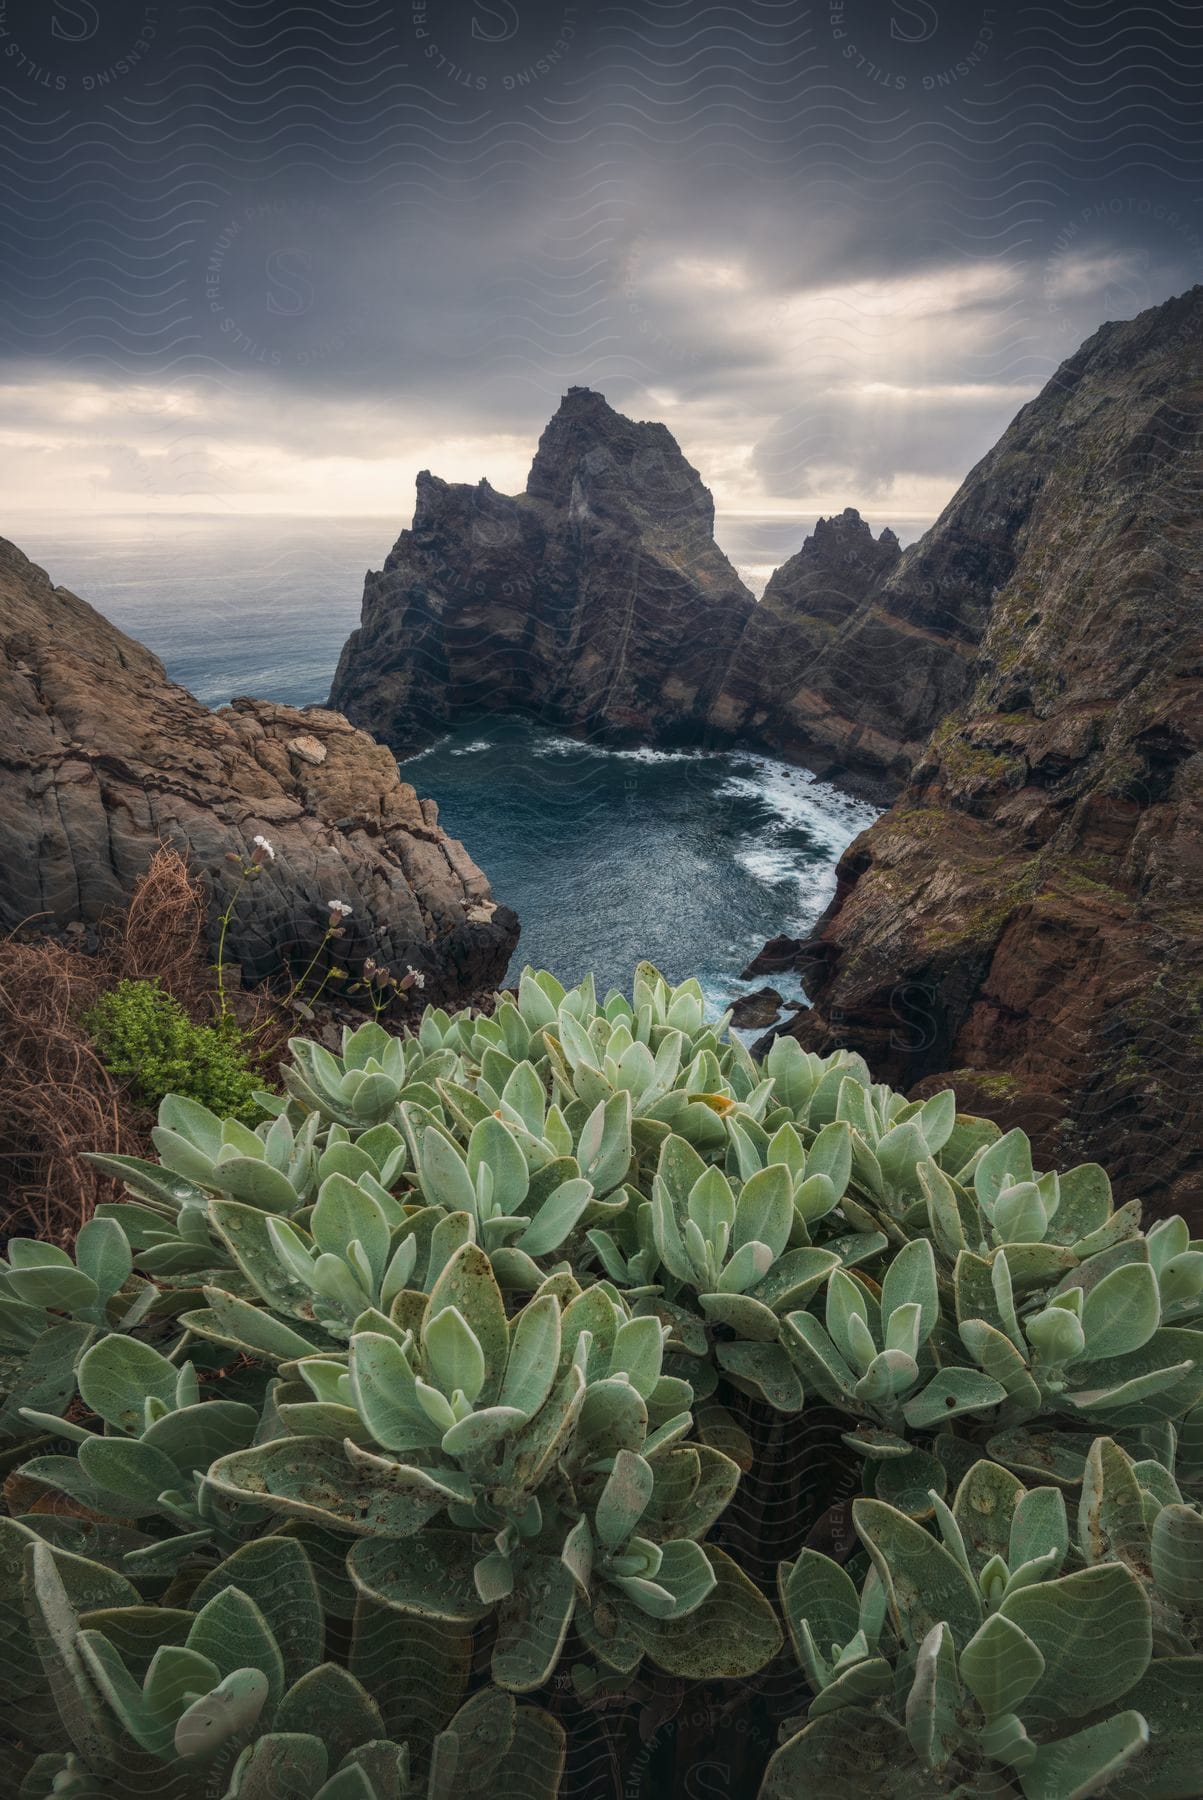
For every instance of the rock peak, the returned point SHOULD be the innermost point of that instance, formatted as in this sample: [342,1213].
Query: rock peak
[598,599]
[1037,893]
[839,565]
[592,454]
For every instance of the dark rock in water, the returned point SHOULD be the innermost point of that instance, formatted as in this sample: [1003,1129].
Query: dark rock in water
[106,759]
[1027,922]
[752,1012]
[599,602]
[808,957]
[778,955]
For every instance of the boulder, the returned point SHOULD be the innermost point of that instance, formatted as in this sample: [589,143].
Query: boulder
[753,1012]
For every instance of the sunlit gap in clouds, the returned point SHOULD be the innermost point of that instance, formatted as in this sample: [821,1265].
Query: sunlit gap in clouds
[868,364]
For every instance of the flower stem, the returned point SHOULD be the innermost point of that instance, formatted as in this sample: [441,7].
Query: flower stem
[226,917]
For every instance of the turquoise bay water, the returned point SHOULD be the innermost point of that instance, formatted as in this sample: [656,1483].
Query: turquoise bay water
[690,859]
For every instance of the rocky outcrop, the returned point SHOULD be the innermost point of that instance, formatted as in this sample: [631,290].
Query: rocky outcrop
[822,672]
[104,758]
[753,1012]
[598,602]
[1028,919]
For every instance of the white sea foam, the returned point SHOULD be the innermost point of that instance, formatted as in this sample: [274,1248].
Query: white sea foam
[798,802]
[406,762]
[799,798]
[641,753]
[720,992]
[645,753]
[769,864]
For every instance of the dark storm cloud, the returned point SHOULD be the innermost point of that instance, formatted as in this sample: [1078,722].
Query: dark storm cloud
[835,246]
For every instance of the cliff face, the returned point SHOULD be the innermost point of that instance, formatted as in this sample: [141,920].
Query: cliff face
[599,602]
[104,758]
[1029,916]
[1029,677]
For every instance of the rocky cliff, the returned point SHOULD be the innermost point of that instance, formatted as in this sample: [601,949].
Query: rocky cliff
[599,602]
[104,758]
[1025,682]
[1028,918]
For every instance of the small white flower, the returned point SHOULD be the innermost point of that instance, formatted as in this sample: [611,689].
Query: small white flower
[261,843]
[340,908]
[419,980]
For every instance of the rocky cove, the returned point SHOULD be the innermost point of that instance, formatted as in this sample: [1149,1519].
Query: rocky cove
[1023,684]
[606,854]
[1020,689]
[687,857]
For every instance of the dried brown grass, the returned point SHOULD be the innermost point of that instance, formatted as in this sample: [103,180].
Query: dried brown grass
[57,1100]
[162,933]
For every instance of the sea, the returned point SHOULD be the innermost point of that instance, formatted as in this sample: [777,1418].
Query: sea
[692,859]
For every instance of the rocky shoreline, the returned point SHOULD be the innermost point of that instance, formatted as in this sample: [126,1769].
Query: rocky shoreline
[1025,684]
[1027,921]
[106,759]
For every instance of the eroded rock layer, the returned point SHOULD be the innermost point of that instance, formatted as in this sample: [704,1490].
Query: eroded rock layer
[104,758]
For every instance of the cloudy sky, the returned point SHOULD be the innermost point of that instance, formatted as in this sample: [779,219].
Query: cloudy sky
[267,257]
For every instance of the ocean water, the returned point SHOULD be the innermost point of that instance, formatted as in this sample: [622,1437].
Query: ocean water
[230,606]
[688,858]
[691,859]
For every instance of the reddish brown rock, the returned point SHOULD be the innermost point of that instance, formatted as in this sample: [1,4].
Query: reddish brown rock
[104,758]
[755,1012]
[1028,919]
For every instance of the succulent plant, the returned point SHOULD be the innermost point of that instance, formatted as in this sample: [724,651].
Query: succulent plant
[1006,1641]
[1131,1511]
[233,1698]
[875,1354]
[362,1087]
[153,1455]
[552,1445]
[963,1684]
[1020,1332]
[718,1246]
[520,1187]
[410,1372]
[274,1168]
[52,1307]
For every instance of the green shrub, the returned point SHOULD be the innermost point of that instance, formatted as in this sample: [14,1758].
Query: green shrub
[478,1306]
[144,1036]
